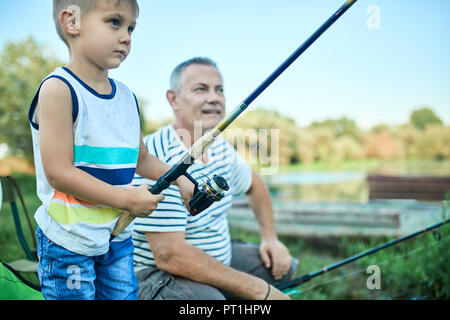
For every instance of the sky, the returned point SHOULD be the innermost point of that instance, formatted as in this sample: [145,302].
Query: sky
[379,62]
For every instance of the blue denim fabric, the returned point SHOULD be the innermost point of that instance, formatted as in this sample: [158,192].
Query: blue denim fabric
[65,275]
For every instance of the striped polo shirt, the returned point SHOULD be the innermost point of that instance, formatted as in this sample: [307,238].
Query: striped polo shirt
[106,133]
[209,229]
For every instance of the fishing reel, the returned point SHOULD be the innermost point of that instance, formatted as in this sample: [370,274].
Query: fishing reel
[212,190]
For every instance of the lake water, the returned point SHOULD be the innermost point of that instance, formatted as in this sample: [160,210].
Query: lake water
[319,186]
[336,186]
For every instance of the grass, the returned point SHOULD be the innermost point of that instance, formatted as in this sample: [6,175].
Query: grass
[10,248]
[414,269]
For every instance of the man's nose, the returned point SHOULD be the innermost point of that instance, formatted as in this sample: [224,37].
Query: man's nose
[214,97]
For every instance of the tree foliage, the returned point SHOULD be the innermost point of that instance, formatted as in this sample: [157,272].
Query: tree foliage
[340,127]
[421,118]
[336,140]
[23,65]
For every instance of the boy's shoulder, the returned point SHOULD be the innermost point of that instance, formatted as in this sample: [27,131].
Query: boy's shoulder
[56,84]
[54,89]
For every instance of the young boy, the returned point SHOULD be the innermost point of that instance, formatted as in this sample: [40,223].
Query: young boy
[87,147]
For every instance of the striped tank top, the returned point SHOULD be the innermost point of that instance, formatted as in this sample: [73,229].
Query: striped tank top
[106,133]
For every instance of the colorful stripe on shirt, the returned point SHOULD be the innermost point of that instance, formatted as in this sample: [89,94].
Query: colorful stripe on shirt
[115,166]
[68,210]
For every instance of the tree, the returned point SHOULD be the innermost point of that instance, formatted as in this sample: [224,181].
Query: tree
[23,66]
[381,145]
[264,136]
[340,127]
[422,117]
[433,143]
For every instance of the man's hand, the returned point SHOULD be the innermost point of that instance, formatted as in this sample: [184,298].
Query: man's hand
[186,188]
[276,294]
[275,255]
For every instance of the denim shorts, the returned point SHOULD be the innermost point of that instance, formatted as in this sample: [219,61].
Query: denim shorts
[65,275]
[155,284]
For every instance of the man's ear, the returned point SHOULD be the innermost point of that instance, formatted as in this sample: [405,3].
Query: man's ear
[171,96]
[70,20]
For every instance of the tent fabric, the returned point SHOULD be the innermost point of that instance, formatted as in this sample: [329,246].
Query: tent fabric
[14,287]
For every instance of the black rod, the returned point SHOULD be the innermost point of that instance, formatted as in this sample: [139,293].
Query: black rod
[299,51]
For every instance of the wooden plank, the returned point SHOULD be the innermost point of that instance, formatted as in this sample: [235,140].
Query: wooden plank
[408,187]
[319,231]
[398,195]
[387,219]
[324,219]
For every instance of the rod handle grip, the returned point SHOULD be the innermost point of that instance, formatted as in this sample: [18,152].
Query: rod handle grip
[124,220]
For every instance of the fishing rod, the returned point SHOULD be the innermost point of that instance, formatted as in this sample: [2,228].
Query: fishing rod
[307,277]
[213,189]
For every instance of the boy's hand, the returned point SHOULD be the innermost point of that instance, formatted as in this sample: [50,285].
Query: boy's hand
[142,202]
[186,188]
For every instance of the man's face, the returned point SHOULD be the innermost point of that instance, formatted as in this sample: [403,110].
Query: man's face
[200,99]
[106,32]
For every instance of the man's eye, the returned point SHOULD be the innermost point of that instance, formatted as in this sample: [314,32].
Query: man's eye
[130,29]
[114,22]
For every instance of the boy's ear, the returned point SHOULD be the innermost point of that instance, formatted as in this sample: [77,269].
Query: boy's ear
[70,20]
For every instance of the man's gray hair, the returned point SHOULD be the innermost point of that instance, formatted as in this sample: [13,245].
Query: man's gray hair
[176,80]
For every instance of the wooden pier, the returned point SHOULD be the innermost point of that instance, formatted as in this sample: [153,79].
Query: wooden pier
[408,187]
[326,219]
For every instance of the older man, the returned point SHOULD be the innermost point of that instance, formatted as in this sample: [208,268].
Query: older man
[179,256]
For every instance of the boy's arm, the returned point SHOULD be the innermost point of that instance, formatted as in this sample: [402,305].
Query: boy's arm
[151,167]
[148,165]
[56,145]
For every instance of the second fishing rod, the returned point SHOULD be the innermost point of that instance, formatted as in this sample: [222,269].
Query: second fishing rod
[307,277]
[213,189]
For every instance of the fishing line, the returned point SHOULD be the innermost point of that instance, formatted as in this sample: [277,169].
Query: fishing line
[335,52]
[364,270]
[313,78]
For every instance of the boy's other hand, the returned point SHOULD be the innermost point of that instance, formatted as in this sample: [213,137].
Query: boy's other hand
[142,202]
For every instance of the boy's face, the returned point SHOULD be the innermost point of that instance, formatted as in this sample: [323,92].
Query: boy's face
[105,34]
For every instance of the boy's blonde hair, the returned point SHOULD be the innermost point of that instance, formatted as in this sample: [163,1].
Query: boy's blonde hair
[85,6]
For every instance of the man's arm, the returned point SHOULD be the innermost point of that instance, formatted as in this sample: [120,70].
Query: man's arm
[174,255]
[273,253]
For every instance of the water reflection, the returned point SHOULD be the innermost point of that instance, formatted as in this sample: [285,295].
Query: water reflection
[320,190]
[335,186]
